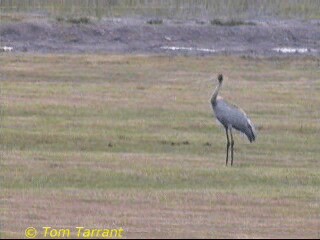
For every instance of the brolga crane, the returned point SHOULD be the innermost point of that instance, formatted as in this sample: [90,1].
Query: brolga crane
[231,117]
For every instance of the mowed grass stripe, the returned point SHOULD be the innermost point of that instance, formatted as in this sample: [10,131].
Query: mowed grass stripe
[95,133]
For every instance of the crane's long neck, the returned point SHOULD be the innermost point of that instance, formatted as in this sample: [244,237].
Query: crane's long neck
[215,94]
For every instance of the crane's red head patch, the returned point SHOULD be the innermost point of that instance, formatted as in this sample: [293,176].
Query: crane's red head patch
[220,78]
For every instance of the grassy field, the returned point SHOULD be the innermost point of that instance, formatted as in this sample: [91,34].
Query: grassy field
[108,141]
[176,9]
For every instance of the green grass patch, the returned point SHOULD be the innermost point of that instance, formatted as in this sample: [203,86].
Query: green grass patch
[125,136]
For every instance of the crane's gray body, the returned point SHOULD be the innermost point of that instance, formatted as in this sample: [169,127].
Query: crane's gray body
[231,116]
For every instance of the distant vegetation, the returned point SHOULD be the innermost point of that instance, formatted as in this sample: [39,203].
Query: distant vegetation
[231,22]
[181,9]
[74,20]
[155,21]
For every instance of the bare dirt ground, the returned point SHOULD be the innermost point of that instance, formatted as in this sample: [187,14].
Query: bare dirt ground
[192,37]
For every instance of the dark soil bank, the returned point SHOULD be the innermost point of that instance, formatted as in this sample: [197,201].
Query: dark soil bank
[266,38]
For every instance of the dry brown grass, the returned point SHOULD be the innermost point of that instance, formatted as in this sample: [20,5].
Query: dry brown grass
[129,141]
[163,213]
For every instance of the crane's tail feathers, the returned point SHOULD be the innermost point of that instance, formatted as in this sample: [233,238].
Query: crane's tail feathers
[251,133]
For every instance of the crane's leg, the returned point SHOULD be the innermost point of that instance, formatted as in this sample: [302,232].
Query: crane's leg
[232,143]
[228,145]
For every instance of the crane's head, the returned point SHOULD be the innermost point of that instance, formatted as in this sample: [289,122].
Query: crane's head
[220,78]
